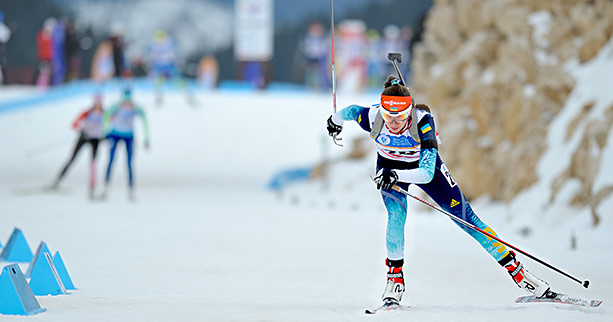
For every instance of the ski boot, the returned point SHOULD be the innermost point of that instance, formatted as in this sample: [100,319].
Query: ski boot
[395,282]
[524,279]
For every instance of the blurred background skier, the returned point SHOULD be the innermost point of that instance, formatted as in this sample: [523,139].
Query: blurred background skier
[89,124]
[118,123]
[407,153]
[164,65]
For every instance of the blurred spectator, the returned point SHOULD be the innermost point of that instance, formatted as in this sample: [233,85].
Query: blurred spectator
[89,124]
[407,35]
[5,36]
[44,42]
[315,49]
[72,51]
[253,73]
[352,55]
[395,42]
[118,46]
[208,72]
[58,61]
[139,67]
[102,68]
[376,60]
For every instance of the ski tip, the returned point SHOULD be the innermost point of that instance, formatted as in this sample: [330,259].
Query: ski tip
[595,303]
[522,299]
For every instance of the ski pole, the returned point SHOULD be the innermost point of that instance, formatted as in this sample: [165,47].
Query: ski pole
[334,138]
[585,283]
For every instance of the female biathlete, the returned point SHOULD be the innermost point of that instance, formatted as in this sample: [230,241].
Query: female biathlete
[407,153]
[118,123]
[89,124]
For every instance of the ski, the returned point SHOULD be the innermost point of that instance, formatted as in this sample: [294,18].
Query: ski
[559,298]
[387,306]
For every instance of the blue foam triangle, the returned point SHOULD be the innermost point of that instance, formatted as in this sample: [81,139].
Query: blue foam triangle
[17,249]
[45,280]
[42,248]
[58,262]
[17,297]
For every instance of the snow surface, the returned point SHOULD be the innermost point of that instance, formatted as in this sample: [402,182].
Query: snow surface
[206,240]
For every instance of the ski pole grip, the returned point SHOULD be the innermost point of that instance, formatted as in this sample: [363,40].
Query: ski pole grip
[586,283]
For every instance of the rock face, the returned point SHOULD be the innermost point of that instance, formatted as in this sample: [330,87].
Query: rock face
[493,73]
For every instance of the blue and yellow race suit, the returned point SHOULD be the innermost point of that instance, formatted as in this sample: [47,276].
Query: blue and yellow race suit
[417,163]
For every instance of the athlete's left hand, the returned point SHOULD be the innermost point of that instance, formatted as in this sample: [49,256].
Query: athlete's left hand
[333,128]
[386,178]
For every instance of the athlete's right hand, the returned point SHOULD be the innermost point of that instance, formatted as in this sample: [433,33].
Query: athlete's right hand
[333,128]
[386,179]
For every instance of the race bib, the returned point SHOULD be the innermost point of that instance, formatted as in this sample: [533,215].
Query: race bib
[448,176]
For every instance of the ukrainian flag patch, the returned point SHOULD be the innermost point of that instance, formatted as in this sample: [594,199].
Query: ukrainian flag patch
[426,128]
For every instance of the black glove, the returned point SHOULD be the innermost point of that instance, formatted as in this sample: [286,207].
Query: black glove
[386,179]
[333,128]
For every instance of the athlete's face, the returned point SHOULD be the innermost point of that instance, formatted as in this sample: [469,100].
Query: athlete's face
[395,123]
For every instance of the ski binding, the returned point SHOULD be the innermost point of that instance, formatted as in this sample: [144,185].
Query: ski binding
[388,305]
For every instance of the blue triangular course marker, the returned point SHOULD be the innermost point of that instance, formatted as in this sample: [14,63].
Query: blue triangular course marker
[42,248]
[45,280]
[17,249]
[58,262]
[17,297]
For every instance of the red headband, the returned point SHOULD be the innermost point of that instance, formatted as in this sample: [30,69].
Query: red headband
[395,104]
